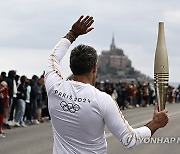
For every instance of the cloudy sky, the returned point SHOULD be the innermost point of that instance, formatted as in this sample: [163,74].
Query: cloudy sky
[29,29]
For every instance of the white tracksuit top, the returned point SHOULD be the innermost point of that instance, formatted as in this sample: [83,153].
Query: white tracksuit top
[79,113]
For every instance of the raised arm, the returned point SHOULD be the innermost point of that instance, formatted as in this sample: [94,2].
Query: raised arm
[80,27]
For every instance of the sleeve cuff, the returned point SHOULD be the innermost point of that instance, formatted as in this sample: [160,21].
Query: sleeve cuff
[144,132]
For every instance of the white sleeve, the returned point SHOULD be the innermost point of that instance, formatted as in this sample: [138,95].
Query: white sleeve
[52,73]
[119,126]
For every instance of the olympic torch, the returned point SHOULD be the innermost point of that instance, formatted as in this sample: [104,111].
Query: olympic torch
[161,69]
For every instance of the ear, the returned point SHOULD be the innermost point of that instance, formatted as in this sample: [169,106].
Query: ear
[94,68]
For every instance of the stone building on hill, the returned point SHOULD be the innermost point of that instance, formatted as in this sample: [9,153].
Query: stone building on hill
[114,65]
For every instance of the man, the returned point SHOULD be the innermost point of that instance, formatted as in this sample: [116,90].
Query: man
[12,85]
[78,110]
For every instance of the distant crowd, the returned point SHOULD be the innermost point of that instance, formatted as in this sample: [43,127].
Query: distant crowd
[24,102]
[140,94]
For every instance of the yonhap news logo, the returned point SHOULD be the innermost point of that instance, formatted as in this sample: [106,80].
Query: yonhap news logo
[161,140]
[130,140]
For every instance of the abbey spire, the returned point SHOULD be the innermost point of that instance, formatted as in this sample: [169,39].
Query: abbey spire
[113,46]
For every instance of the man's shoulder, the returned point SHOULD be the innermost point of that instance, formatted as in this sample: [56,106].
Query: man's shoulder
[101,94]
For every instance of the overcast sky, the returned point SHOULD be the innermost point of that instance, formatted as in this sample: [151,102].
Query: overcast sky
[29,29]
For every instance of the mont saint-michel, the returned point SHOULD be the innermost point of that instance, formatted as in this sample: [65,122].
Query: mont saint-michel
[114,65]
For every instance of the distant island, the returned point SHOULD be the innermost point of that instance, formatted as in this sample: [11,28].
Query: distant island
[115,66]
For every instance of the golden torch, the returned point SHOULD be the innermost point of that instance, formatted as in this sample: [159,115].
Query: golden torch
[161,69]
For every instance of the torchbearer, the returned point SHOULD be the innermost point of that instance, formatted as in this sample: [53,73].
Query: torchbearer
[78,126]
[161,69]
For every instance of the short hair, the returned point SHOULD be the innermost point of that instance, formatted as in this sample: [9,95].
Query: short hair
[82,59]
[23,79]
[11,74]
[3,74]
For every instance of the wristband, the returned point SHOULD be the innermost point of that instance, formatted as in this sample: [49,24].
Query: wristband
[74,32]
[73,37]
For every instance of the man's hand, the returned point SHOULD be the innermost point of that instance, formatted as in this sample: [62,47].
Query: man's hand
[160,119]
[80,27]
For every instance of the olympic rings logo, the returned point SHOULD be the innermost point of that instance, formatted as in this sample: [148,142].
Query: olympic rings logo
[69,107]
